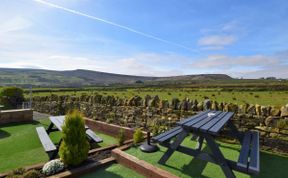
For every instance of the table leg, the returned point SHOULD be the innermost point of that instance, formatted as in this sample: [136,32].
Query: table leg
[199,143]
[194,137]
[234,131]
[50,128]
[173,147]
[219,156]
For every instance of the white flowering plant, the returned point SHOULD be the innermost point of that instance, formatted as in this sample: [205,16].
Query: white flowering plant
[53,167]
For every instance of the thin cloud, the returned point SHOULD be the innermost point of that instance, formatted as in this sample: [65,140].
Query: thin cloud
[114,24]
[216,40]
[14,24]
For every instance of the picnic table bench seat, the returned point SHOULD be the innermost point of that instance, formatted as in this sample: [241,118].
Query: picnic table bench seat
[166,136]
[48,145]
[249,159]
[92,136]
[58,122]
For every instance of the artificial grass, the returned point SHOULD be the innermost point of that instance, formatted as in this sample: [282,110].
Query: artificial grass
[114,171]
[182,165]
[20,145]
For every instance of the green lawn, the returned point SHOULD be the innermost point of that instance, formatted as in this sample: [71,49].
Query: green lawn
[185,166]
[114,171]
[20,145]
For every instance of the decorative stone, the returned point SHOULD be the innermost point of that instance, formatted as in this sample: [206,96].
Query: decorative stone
[175,103]
[147,100]
[258,109]
[185,104]
[243,108]
[251,110]
[207,104]
[155,102]
[200,106]
[221,106]
[214,105]
[231,107]
[164,104]
[284,111]
[265,111]
[275,111]
[271,121]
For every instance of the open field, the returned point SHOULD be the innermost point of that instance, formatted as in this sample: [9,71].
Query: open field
[277,98]
[20,145]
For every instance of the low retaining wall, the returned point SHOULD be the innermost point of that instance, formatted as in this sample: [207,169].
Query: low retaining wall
[109,129]
[140,166]
[17,115]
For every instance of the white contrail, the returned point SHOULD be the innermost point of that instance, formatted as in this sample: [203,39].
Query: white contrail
[114,24]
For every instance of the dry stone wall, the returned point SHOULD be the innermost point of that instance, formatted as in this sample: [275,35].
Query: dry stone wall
[159,114]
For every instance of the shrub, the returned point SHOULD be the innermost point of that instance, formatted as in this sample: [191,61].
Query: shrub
[10,97]
[138,136]
[53,167]
[74,147]
[121,137]
[32,174]
[155,129]
[18,171]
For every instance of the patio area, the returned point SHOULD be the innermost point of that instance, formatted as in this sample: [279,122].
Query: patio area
[185,166]
[20,140]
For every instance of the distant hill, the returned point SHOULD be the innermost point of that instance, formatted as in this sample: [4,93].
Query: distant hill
[80,78]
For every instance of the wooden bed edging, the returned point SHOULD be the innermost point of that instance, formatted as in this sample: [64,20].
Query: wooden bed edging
[84,169]
[40,165]
[109,129]
[140,166]
[35,166]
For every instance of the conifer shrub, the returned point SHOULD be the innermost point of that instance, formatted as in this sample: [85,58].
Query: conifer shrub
[121,137]
[74,147]
[138,136]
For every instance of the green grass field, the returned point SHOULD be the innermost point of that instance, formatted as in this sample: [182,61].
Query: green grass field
[185,166]
[20,145]
[273,98]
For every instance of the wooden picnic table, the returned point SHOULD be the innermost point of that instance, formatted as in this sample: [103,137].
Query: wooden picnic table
[56,125]
[206,126]
[58,122]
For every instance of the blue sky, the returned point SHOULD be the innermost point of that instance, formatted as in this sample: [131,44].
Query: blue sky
[141,37]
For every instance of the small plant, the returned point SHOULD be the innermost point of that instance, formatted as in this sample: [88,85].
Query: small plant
[155,129]
[74,147]
[169,93]
[32,174]
[234,98]
[18,171]
[257,96]
[53,167]
[138,136]
[121,137]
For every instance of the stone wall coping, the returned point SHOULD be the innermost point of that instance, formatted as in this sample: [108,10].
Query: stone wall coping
[14,110]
